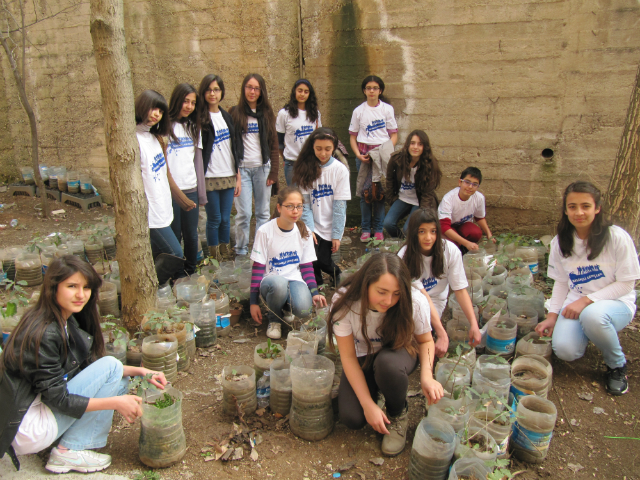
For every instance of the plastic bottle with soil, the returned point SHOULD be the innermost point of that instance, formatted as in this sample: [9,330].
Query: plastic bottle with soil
[28,267]
[527,297]
[263,389]
[262,359]
[109,246]
[476,442]
[280,395]
[76,247]
[432,450]
[531,375]
[469,468]
[160,353]
[526,318]
[453,411]
[452,376]
[134,353]
[204,316]
[498,424]
[239,390]
[184,360]
[85,184]
[162,440]
[108,300]
[27,175]
[532,431]
[8,257]
[191,340]
[311,416]
[302,341]
[532,344]
[467,357]
[93,250]
[116,346]
[489,282]
[514,281]
[501,337]
[529,256]
[318,326]
[62,182]
[492,373]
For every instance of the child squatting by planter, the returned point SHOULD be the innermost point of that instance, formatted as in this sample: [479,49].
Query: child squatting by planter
[57,384]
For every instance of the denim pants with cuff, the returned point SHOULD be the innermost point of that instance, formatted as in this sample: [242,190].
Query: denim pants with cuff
[288,171]
[254,186]
[163,240]
[218,208]
[278,292]
[397,212]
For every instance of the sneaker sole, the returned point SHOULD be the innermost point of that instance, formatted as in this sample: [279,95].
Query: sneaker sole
[61,469]
[617,394]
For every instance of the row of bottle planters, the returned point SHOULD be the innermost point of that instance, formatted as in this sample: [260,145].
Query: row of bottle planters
[60,178]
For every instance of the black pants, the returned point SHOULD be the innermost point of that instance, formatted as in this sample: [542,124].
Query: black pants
[388,373]
[324,263]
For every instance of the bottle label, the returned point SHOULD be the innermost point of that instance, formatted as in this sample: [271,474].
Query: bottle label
[501,346]
[528,440]
[73,184]
[517,393]
[223,321]
[533,267]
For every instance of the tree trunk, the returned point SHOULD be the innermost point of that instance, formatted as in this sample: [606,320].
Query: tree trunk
[22,93]
[622,199]
[137,271]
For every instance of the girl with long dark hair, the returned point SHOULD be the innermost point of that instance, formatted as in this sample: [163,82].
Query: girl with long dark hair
[184,139]
[57,384]
[324,183]
[435,264]
[222,177]
[295,122]
[413,175]
[382,330]
[595,266]
[257,155]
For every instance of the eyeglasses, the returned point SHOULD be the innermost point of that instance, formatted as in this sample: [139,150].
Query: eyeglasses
[252,89]
[214,90]
[470,184]
[291,208]
[372,89]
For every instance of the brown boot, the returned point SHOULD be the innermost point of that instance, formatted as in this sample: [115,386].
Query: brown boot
[394,443]
[214,252]
[225,251]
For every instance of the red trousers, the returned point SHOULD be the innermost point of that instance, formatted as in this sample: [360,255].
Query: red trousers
[469,231]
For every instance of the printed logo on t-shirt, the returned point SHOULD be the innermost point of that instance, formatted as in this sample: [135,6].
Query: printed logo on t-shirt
[183,142]
[407,186]
[372,340]
[156,166]
[375,125]
[252,128]
[222,135]
[464,219]
[429,283]
[585,275]
[302,132]
[323,190]
[285,258]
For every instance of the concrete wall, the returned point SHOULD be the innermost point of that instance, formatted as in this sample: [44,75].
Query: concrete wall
[493,83]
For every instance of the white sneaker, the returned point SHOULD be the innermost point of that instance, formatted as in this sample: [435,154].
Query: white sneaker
[274,330]
[84,461]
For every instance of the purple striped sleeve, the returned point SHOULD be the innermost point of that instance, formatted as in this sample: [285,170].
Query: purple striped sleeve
[306,269]
[257,274]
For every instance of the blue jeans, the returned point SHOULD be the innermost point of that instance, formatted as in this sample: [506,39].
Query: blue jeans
[185,225]
[397,212]
[102,379]
[599,322]
[367,209]
[278,291]
[254,185]
[218,208]
[163,240]
[288,171]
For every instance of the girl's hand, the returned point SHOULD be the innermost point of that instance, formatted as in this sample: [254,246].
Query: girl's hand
[574,309]
[270,182]
[493,239]
[319,301]
[475,337]
[472,246]
[238,189]
[432,390]
[129,406]
[363,158]
[315,240]
[157,378]
[442,344]
[185,203]
[545,328]
[335,245]
[376,418]
[256,314]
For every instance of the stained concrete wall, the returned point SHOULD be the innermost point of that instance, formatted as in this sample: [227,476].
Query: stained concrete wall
[493,82]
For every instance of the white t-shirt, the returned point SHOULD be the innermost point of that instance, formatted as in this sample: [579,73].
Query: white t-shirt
[282,252]
[180,157]
[372,123]
[251,139]
[438,288]
[333,184]
[618,261]
[37,431]
[155,181]
[408,192]
[296,130]
[351,324]
[459,211]
[221,162]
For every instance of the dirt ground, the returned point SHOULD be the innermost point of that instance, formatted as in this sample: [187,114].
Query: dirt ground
[578,449]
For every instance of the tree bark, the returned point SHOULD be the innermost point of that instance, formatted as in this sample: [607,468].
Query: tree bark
[137,271]
[622,200]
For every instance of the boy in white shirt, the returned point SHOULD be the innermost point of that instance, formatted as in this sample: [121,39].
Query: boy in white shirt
[460,207]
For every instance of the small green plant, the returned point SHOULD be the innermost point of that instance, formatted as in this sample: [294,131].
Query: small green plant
[373,243]
[272,351]
[539,341]
[500,470]
[140,383]
[148,475]
[164,402]
[17,297]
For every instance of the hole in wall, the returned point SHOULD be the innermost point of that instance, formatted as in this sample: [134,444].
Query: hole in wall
[547,154]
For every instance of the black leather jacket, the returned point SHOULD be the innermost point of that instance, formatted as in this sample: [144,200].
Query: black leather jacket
[19,389]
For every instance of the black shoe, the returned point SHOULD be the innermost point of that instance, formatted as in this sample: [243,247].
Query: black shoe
[617,381]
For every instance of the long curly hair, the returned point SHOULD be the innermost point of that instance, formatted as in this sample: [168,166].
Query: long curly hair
[413,255]
[428,174]
[396,329]
[307,168]
[310,106]
[175,107]
[599,231]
